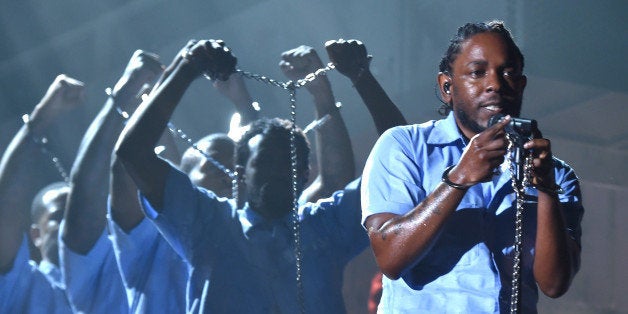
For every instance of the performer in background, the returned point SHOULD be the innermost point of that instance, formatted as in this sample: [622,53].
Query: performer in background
[243,260]
[24,287]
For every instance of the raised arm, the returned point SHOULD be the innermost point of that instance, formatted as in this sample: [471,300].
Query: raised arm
[135,145]
[23,163]
[352,61]
[87,202]
[333,146]
[125,208]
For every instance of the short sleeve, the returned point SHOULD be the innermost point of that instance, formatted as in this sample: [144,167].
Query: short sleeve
[390,181]
[93,282]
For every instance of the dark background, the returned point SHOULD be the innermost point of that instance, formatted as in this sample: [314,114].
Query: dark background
[575,61]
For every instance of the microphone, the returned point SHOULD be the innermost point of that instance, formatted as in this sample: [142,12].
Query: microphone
[520,130]
[519,127]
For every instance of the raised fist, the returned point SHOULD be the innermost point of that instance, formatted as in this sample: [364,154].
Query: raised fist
[212,58]
[139,76]
[349,57]
[298,62]
[64,93]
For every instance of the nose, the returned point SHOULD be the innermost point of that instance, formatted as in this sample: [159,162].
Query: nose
[494,82]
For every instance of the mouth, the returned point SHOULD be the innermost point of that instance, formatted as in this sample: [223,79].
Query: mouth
[496,108]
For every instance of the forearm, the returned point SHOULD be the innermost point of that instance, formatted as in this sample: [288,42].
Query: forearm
[125,207]
[23,171]
[399,242]
[135,147]
[171,151]
[243,103]
[557,255]
[334,151]
[384,112]
[87,202]
[18,186]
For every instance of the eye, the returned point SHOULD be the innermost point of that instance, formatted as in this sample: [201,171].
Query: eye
[477,73]
[510,73]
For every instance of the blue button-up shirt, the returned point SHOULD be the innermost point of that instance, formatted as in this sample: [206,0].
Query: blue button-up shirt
[154,276]
[469,268]
[93,283]
[243,263]
[25,289]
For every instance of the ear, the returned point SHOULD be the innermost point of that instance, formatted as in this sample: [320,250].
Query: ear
[444,86]
[523,81]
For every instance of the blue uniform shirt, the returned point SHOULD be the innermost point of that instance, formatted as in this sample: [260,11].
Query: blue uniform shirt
[469,268]
[25,289]
[93,282]
[153,274]
[243,263]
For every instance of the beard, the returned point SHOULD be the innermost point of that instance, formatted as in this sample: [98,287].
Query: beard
[272,200]
[466,121]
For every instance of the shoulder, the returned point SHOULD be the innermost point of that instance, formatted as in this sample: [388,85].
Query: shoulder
[410,130]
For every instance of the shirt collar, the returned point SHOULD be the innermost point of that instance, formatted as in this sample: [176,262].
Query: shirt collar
[251,219]
[445,131]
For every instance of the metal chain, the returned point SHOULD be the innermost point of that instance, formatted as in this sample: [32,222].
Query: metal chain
[43,145]
[519,188]
[182,135]
[232,175]
[312,76]
[42,142]
[296,223]
[286,85]
[260,78]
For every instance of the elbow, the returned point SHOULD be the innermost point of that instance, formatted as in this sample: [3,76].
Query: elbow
[557,286]
[389,267]
[555,291]
[558,283]
[391,273]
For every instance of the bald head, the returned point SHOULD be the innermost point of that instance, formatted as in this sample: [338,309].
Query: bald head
[203,172]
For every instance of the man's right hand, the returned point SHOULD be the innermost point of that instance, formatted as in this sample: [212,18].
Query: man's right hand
[484,153]
[213,58]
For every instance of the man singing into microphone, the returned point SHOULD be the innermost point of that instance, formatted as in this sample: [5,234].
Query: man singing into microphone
[439,205]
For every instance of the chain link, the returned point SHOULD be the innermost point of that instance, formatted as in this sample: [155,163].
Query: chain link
[42,142]
[43,145]
[188,140]
[519,188]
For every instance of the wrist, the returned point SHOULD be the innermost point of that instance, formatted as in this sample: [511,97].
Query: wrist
[38,121]
[359,75]
[446,179]
[116,106]
[551,189]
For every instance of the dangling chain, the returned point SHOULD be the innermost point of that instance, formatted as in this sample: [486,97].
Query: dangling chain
[519,188]
[43,145]
[296,223]
[232,175]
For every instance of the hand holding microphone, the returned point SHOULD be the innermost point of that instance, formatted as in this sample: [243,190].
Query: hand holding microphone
[520,130]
